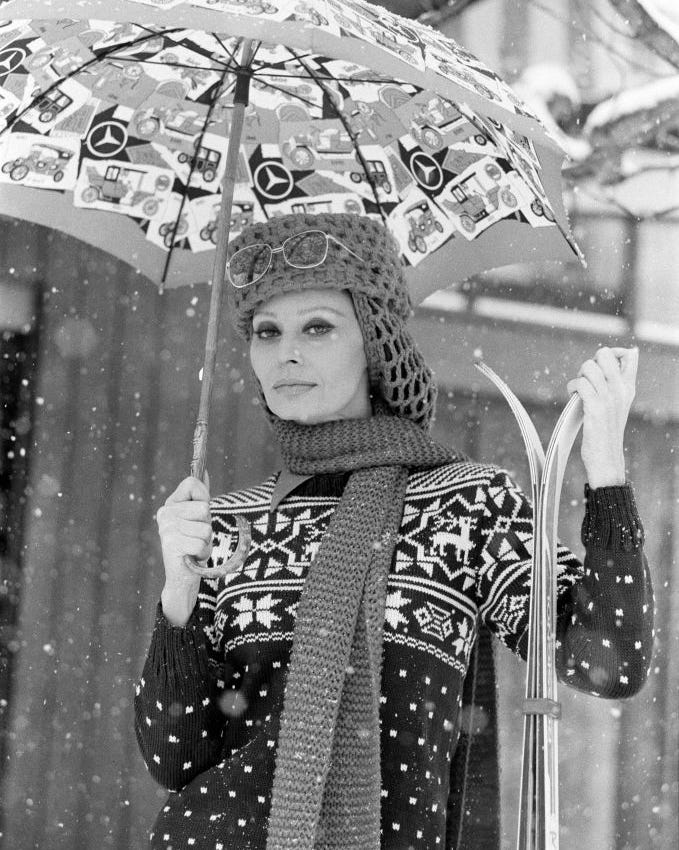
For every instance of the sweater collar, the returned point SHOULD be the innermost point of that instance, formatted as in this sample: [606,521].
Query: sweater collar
[285,483]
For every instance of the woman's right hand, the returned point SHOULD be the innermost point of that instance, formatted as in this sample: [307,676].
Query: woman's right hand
[185,529]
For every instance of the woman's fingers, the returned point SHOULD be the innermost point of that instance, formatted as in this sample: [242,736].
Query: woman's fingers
[190,528]
[190,489]
[196,548]
[584,388]
[184,525]
[177,547]
[172,511]
[618,362]
[606,386]
[593,372]
[609,365]
[175,530]
[628,358]
[611,373]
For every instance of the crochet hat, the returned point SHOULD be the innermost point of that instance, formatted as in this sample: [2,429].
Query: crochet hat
[401,382]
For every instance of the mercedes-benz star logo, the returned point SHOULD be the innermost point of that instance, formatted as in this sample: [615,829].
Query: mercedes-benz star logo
[273,180]
[11,59]
[426,171]
[107,139]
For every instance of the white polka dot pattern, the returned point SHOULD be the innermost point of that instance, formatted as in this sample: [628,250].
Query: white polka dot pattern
[208,702]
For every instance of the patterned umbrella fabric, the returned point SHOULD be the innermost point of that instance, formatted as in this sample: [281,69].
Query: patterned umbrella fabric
[117,131]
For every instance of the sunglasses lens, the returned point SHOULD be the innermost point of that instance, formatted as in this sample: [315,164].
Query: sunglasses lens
[305,250]
[248,264]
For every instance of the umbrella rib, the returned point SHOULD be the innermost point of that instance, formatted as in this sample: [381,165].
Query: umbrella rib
[231,65]
[72,74]
[260,77]
[287,92]
[192,168]
[150,34]
[230,53]
[473,119]
[221,66]
[352,135]
[349,80]
[300,57]
[221,88]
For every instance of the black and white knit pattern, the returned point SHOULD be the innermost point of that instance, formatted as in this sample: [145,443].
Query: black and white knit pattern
[211,693]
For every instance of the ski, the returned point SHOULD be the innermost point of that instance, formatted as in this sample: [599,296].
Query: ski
[539,796]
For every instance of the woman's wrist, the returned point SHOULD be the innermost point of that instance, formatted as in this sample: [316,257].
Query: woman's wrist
[606,474]
[178,602]
[595,483]
[606,479]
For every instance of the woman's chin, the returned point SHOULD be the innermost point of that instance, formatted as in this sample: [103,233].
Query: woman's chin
[298,411]
[304,409]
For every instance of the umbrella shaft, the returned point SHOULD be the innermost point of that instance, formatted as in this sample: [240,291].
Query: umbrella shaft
[218,272]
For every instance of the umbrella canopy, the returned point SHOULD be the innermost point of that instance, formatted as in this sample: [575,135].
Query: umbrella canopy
[114,127]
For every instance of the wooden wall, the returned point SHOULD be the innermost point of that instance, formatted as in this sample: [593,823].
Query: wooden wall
[116,393]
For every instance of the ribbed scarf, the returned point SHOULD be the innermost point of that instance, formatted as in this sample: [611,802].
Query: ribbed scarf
[327,782]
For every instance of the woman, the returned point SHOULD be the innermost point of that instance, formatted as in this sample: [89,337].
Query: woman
[312,698]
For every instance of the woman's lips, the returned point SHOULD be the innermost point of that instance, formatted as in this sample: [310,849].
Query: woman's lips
[294,389]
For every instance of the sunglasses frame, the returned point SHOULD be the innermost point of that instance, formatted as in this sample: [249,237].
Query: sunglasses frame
[281,249]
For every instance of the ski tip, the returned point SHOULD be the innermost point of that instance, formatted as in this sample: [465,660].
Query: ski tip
[478,356]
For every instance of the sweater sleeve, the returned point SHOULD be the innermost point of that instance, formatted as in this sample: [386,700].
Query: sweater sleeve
[178,722]
[604,606]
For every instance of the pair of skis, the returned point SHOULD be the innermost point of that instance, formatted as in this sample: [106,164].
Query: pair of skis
[539,803]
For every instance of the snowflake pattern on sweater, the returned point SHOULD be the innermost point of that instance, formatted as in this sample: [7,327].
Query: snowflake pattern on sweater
[211,693]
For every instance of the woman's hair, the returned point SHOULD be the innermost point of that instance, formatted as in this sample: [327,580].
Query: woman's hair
[400,381]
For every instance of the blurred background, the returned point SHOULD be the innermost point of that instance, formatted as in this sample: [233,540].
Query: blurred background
[99,388]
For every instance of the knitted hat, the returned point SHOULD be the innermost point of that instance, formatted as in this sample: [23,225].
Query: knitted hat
[397,372]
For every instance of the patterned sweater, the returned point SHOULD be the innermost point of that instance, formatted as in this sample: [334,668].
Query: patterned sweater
[211,693]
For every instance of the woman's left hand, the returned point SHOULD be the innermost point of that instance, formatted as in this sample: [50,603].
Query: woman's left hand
[606,385]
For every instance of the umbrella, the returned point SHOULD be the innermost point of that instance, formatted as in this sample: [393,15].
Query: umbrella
[346,108]
[141,137]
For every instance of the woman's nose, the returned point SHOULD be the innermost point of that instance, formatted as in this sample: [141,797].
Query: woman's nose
[289,349]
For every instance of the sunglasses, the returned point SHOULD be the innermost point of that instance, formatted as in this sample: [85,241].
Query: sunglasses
[304,250]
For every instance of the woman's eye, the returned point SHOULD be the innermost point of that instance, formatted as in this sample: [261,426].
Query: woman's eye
[318,328]
[265,332]
[313,329]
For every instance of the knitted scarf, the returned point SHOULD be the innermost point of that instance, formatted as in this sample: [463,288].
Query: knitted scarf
[327,783]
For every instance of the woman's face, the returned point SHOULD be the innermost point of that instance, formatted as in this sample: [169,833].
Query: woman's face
[307,352]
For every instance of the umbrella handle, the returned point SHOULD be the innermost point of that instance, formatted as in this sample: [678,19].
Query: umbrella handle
[232,563]
[243,526]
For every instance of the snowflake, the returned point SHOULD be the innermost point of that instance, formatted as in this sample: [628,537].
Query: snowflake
[392,613]
[259,610]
